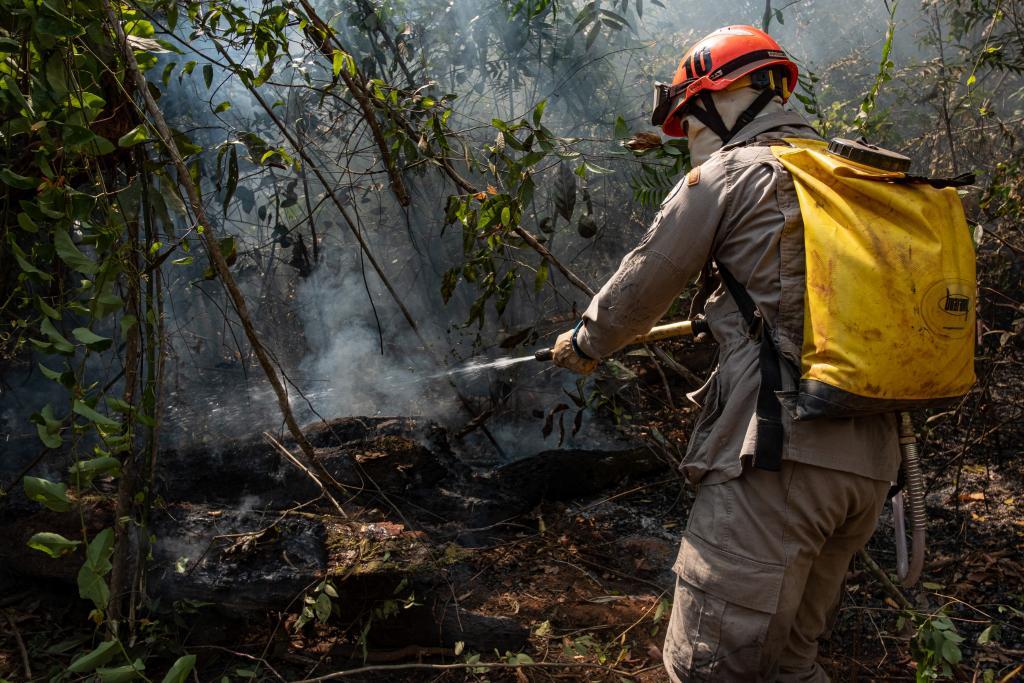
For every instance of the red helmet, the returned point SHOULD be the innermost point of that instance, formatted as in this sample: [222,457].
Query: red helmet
[716,62]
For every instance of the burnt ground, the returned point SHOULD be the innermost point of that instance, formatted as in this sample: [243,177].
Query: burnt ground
[590,578]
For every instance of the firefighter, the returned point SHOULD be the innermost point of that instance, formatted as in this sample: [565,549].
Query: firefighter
[781,505]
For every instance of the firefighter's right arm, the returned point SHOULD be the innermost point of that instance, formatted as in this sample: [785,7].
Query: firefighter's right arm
[668,258]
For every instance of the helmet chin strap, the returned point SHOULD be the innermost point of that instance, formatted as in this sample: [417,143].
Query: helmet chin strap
[709,116]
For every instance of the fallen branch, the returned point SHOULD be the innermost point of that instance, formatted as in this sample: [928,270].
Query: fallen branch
[676,366]
[242,655]
[21,646]
[465,665]
[295,461]
[884,579]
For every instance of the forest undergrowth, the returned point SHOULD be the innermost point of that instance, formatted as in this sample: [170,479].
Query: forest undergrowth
[226,219]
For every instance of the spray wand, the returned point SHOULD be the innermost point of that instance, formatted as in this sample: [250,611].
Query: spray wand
[683,328]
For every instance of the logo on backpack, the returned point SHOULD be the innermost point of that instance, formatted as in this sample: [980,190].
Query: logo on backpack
[947,306]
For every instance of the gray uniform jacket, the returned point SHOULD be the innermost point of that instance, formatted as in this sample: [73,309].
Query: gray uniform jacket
[737,208]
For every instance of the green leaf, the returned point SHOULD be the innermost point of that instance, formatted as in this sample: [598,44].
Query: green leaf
[26,223]
[47,310]
[71,255]
[84,471]
[232,178]
[951,653]
[91,584]
[17,181]
[621,128]
[48,373]
[133,137]
[48,426]
[542,276]
[122,674]
[208,74]
[50,494]
[103,653]
[22,258]
[222,107]
[85,411]
[139,27]
[127,323]
[12,88]
[322,607]
[538,111]
[92,341]
[52,544]
[342,60]
[50,439]
[180,670]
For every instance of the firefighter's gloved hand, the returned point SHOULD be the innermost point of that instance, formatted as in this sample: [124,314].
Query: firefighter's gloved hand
[565,356]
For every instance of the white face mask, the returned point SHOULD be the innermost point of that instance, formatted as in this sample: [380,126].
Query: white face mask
[703,142]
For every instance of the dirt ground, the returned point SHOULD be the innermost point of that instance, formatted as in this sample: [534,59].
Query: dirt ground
[592,580]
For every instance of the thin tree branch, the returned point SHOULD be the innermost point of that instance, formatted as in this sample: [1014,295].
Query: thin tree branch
[356,87]
[208,235]
[884,579]
[295,461]
[21,646]
[462,666]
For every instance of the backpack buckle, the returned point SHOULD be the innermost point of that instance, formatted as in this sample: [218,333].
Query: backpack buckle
[755,331]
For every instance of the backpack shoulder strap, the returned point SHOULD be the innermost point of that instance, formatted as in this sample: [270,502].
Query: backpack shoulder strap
[770,437]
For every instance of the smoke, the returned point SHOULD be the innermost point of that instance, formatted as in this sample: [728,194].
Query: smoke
[337,336]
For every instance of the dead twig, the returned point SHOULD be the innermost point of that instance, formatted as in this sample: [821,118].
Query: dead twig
[241,655]
[309,473]
[884,579]
[677,367]
[21,646]
[477,665]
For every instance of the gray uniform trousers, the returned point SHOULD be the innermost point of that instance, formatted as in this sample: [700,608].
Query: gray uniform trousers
[760,571]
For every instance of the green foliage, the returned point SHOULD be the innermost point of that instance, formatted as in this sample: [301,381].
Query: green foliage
[50,494]
[936,646]
[490,218]
[865,122]
[91,582]
[180,670]
[52,544]
[317,604]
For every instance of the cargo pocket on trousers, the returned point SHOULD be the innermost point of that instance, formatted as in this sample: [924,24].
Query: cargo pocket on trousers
[726,603]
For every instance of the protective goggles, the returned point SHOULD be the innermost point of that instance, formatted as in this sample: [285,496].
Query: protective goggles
[665,96]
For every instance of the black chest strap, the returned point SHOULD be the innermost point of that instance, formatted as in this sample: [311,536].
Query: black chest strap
[770,437]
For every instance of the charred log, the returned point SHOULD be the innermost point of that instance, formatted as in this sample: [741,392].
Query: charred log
[241,529]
